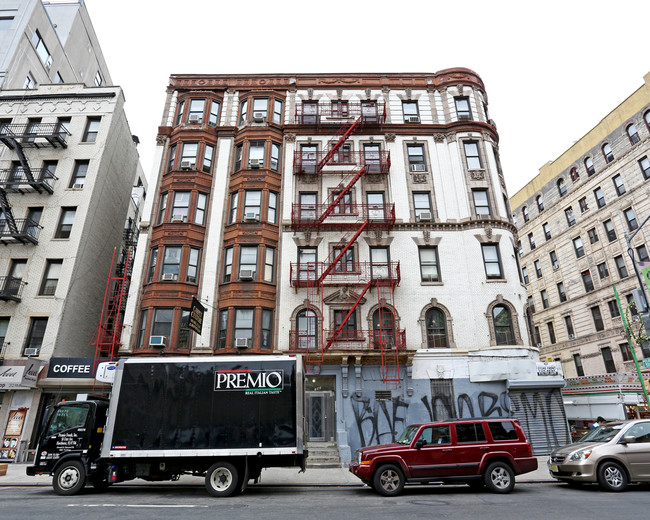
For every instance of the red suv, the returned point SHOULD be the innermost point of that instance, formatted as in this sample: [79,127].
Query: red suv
[477,452]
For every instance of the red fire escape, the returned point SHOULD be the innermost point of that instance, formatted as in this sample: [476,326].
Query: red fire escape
[339,213]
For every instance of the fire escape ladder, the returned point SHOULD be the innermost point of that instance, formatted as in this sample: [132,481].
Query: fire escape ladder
[332,339]
[15,145]
[389,338]
[345,131]
[341,194]
[8,213]
[109,331]
[347,246]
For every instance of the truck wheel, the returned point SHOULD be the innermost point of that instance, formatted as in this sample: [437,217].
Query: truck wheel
[612,477]
[499,478]
[388,480]
[221,479]
[69,478]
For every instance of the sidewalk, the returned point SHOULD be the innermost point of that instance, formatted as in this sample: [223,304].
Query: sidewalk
[16,476]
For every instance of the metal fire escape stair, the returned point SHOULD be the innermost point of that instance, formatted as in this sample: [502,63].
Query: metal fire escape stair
[344,132]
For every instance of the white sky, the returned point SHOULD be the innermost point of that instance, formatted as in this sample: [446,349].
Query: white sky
[552,69]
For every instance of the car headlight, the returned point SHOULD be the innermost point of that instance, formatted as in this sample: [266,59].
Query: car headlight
[580,455]
[358,457]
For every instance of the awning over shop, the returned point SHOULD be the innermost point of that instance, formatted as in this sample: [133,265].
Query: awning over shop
[20,376]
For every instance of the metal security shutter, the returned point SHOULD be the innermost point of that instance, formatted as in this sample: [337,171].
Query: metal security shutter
[541,414]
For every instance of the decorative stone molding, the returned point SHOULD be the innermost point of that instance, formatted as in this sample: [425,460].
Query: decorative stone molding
[390,137]
[408,93]
[386,92]
[419,178]
[451,137]
[307,242]
[427,235]
[439,138]
[430,241]
[290,137]
[514,320]
[310,93]
[368,93]
[379,241]
[477,175]
[161,140]
[435,304]
[488,231]
[484,239]
[339,94]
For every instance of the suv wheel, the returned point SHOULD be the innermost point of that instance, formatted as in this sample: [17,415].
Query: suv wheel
[499,478]
[388,480]
[612,477]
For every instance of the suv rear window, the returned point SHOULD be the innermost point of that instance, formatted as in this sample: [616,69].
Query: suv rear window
[503,431]
[470,432]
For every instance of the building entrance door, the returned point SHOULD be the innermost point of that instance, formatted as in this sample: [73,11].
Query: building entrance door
[320,404]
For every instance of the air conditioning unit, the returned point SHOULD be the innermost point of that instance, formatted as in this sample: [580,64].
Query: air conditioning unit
[259,117]
[539,345]
[195,118]
[571,336]
[246,274]
[31,352]
[169,277]
[241,342]
[424,215]
[191,279]
[412,119]
[77,186]
[255,163]
[556,266]
[463,117]
[251,217]
[418,167]
[179,218]
[158,341]
[187,165]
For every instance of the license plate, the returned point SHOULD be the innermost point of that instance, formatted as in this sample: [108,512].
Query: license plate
[554,468]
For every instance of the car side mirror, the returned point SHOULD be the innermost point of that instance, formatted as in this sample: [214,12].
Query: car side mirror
[420,443]
[629,439]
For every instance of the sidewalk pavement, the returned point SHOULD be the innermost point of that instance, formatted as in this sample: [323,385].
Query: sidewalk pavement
[315,477]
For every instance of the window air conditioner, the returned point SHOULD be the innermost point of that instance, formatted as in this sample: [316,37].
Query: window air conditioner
[556,267]
[246,274]
[255,163]
[169,276]
[241,342]
[251,217]
[571,336]
[158,341]
[463,117]
[187,165]
[196,118]
[31,352]
[424,215]
[77,186]
[418,167]
[412,119]
[179,218]
[259,117]
[539,345]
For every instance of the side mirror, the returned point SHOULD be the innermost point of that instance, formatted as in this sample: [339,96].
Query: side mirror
[629,439]
[420,443]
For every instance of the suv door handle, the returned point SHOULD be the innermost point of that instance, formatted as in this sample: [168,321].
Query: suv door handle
[485,448]
[448,450]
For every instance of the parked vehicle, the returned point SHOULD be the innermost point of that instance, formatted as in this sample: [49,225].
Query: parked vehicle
[474,451]
[614,454]
[223,418]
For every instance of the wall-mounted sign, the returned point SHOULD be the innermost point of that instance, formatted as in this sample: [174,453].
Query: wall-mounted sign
[548,369]
[70,368]
[20,376]
[196,316]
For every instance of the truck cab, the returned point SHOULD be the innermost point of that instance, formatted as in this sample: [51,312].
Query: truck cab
[73,432]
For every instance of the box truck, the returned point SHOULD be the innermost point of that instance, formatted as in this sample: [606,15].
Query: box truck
[224,418]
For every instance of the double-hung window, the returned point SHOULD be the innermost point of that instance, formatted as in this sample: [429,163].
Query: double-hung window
[422,206]
[429,264]
[463,110]
[195,113]
[416,158]
[481,203]
[492,260]
[410,111]
[180,206]
[252,205]
[472,155]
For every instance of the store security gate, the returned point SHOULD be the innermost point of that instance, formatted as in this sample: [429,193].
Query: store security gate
[541,414]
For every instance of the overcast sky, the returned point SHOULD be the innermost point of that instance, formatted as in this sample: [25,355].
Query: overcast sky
[552,69]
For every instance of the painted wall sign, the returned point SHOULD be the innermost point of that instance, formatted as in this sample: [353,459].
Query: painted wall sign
[67,368]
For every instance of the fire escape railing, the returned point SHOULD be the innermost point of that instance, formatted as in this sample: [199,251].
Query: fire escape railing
[22,230]
[34,135]
[11,288]
[21,179]
[342,215]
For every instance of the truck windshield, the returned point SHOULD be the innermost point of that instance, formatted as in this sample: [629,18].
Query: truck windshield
[407,435]
[67,417]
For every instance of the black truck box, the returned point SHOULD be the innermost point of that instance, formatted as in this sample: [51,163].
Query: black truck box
[226,406]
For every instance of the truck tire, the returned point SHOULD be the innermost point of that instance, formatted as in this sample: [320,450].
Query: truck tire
[388,480]
[69,478]
[499,478]
[221,479]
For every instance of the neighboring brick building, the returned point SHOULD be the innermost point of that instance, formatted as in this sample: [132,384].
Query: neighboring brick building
[572,221]
[359,219]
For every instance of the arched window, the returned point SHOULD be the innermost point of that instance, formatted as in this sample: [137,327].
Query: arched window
[575,177]
[503,330]
[607,153]
[540,203]
[306,323]
[632,133]
[383,325]
[589,165]
[436,329]
[561,187]
[524,211]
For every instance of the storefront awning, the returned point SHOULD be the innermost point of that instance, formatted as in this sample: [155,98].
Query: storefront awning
[20,377]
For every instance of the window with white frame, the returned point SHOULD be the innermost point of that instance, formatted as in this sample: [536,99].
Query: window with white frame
[260,109]
[248,263]
[199,212]
[429,264]
[416,157]
[213,117]
[492,260]
[171,264]
[191,276]
[162,208]
[188,156]
[244,321]
[481,203]
[410,111]
[227,264]
[180,207]
[463,110]
[252,205]
[269,264]
[272,213]
[422,206]
[472,155]
[195,113]
[208,157]
[232,214]
[275,157]
[277,111]
[256,154]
